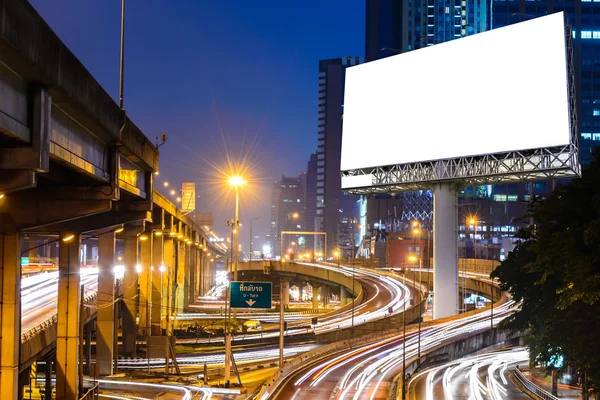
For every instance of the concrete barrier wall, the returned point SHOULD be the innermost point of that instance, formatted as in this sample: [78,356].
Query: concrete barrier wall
[293,269]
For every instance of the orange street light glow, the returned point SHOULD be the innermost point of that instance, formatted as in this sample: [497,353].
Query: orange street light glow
[236,181]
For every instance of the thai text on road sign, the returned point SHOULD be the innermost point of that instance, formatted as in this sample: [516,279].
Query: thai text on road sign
[250,294]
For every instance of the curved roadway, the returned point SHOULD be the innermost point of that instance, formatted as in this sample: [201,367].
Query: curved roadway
[481,377]
[367,371]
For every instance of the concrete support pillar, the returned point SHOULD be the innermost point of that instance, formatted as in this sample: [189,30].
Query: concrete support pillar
[300,291]
[285,291]
[197,274]
[204,266]
[87,349]
[325,295]
[158,248]
[130,291]
[191,277]
[445,260]
[345,296]
[48,379]
[67,335]
[180,276]
[170,261]
[30,251]
[105,326]
[145,283]
[10,313]
[315,295]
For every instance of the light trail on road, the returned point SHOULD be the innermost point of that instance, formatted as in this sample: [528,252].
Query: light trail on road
[39,295]
[367,371]
[479,377]
[262,355]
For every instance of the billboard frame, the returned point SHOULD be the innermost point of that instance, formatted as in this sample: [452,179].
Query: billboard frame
[557,162]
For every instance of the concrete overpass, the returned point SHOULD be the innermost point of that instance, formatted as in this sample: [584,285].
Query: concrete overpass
[72,166]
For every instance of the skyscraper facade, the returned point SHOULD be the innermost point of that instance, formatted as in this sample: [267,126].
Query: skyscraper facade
[290,212]
[310,213]
[331,203]
[584,17]
[394,26]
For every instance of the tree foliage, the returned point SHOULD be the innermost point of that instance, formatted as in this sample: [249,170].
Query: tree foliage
[555,272]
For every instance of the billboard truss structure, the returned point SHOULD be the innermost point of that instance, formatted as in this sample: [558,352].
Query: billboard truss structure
[558,162]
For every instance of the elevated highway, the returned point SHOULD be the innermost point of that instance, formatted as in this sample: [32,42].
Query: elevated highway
[368,366]
[74,167]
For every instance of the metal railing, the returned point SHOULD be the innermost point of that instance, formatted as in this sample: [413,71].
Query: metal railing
[533,388]
[92,393]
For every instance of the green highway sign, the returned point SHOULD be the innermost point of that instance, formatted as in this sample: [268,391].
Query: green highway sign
[250,294]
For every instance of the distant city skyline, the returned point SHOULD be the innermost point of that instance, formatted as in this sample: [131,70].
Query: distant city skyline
[217,78]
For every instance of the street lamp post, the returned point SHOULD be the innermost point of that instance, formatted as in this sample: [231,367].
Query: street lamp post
[252,237]
[236,182]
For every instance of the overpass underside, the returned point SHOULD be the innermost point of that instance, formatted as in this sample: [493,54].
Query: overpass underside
[74,168]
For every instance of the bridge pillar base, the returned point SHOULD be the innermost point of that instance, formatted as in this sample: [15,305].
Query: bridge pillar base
[445,257]
[145,281]
[106,308]
[130,287]
[285,293]
[315,295]
[67,334]
[165,285]
[180,278]
[325,295]
[345,296]
[10,313]
[158,254]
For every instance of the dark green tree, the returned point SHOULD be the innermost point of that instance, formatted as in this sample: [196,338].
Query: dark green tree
[554,272]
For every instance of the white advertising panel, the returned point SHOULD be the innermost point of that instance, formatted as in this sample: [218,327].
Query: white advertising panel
[497,91]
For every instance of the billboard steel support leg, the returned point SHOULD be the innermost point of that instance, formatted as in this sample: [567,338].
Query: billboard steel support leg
[445,261]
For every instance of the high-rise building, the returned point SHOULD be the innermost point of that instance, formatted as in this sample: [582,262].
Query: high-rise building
[584,17]
[310,213]
[287,213]
[274,227]
[331,203]
[394,26]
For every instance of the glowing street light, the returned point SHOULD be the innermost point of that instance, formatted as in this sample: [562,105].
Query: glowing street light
[138,268]
[68,238]
[178,199]
[166,184]
[236,181]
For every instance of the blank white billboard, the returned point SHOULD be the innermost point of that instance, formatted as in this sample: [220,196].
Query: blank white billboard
[497,91]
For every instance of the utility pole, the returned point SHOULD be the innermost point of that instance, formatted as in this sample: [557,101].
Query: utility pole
[281,322]
[122,62]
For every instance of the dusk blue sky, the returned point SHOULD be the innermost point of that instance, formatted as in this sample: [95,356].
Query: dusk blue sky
[214,75]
